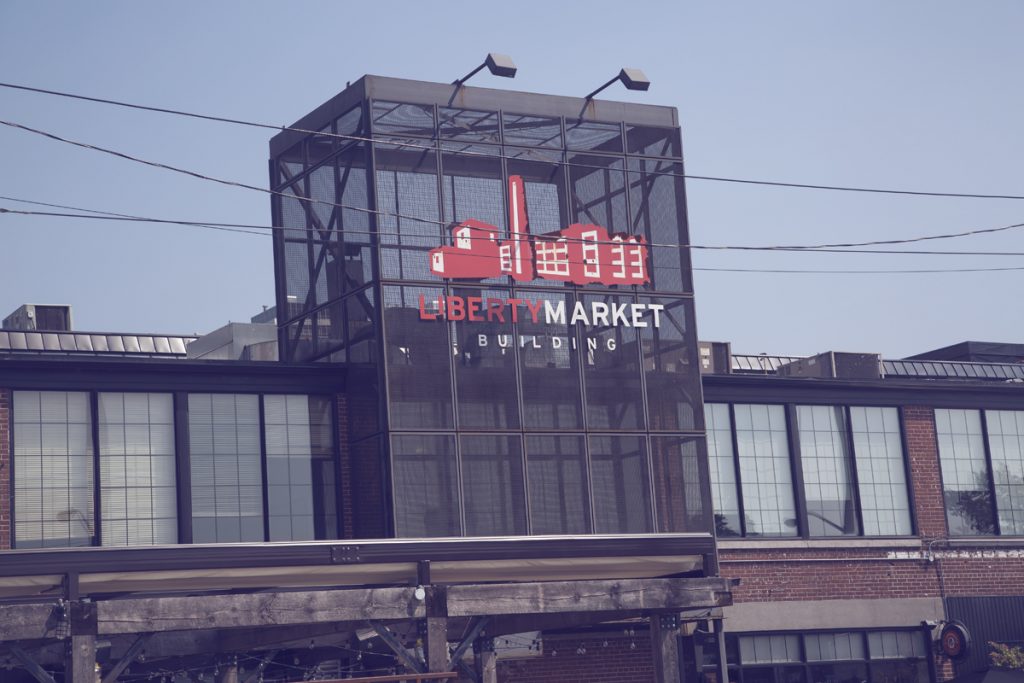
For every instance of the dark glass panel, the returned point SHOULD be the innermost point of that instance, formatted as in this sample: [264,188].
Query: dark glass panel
[354,222]
[467,124]
[321,145]
[657,211]
[532,131]
[419,356]
[403,119]
[678,475]
[492,485]
[363,400]
[593,136]
[361,319]
[301,480]
[669,347]
[915,671]
[545,194]
[426,487]
[409,224]
[827,471]
[549,361]
[350,123]
[611,371]
[842,672]
[369,501]
[621,485]
[557,468]
[485,359]
[290,164]
[653,142]
[597,191]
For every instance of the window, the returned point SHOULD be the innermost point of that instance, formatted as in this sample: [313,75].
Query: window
[138,476]
[557,469]
[226,466]
[893,656]
[982,459]
[850,461]
[622,490]
[300,468]
[53,465]
[56,466]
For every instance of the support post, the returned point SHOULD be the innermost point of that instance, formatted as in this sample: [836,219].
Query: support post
[230,674]
[435,627]
[665,647]
[486,660]
[723,664]
[82,659]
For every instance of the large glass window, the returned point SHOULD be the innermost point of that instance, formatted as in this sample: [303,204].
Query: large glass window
[765,475]
[982,457]
[138,491]
[678,484]
[301,484]
[53,464]
[549,362]
[1006,441]
[895,656]
[965,476]
[828,480]
[881,471]
[851,463]
[611,372]
[226,467]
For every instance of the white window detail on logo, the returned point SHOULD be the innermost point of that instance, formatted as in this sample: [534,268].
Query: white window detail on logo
[463,239]
[438,258]
[552,258]
[618,259]
[636,261]
[591,258]
[505,252]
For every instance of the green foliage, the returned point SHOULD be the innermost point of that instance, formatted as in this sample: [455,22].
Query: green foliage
[1006,656]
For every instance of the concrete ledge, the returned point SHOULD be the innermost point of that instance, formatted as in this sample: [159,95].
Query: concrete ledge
[803,615]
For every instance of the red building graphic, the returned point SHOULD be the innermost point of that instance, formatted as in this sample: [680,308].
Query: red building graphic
[581,254]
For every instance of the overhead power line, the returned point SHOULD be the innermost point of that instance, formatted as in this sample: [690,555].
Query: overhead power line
[253,230]
[405,143]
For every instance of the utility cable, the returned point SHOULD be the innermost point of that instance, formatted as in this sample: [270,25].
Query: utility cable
[358,138]
[241,227]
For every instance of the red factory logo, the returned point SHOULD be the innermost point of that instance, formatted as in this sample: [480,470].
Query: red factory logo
[581,254]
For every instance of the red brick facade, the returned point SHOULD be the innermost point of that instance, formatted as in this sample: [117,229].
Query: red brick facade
[926,482]
[5,469]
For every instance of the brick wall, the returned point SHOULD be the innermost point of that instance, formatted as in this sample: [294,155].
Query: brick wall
[608,659]
[926,482]
[5,469]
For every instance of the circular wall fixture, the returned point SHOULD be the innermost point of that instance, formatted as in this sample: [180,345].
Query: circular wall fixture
[954,640]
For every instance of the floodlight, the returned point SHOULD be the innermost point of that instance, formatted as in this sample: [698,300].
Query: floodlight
[633,79]
[498,65]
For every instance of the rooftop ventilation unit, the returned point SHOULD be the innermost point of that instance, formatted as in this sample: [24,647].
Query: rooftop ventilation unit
[715,357]
[835,365]
[39,317]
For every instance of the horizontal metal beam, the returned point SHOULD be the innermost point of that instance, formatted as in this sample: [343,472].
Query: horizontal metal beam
[183,557]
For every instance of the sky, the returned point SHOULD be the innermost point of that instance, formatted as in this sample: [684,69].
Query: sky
[912,95]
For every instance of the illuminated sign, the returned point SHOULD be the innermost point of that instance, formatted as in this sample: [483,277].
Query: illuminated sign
[581,254]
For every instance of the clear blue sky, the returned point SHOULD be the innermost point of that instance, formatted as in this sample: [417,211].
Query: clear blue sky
[917,95]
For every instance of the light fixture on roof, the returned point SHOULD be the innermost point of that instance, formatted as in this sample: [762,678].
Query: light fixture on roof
[633,79]
[498,65]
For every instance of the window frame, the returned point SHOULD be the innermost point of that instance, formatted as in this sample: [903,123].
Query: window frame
[182,452]
[796,471]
